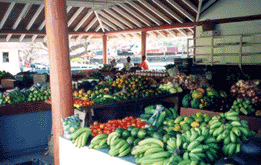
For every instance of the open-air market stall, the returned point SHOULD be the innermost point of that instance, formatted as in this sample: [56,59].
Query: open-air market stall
[159,134]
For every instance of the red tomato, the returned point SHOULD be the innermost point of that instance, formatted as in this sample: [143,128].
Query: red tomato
[91,127]
[131,117]
[94,123]
[138,125]
[98,129]
[133,120]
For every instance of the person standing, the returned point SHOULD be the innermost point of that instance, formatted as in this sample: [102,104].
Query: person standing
[144,63]
[128,64]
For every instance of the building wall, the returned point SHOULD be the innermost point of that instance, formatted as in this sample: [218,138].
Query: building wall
[233,8]
[13,66]
[24,133]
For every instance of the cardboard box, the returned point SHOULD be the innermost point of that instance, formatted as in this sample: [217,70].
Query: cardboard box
[40,78]
[9,83]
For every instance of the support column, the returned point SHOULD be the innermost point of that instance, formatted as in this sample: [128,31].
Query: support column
[60,70]
[143,43]
[104,41]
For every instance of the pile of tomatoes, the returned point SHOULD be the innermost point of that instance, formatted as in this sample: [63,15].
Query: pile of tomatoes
[79,102]
[112,125]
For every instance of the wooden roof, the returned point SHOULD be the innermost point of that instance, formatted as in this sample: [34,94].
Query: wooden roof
[24,20]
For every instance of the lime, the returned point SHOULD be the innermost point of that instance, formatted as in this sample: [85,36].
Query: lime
[134,132]
[142,133]
[126,134]
[157,135]
[130,140]
[136,141]
[166,138]
[119,131]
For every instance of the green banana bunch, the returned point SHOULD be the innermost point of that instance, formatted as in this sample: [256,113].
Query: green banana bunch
[118,147]
[99,142]
[228,129]
[150,151]
[81,136]
[195,145]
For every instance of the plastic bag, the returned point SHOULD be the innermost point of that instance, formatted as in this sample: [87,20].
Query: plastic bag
[70,125]
[153,119]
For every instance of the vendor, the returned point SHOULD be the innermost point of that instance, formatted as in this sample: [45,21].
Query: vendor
[113,62]
[144,64]
[128,64]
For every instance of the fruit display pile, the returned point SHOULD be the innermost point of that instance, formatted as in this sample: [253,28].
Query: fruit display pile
[209,99]
[190,82]
[16,96]
[125,88]
[6,75]
[247,90]
[112,125]
[164,137]
[243,107]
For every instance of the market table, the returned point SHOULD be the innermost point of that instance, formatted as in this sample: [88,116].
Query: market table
[117,110]
[69,154]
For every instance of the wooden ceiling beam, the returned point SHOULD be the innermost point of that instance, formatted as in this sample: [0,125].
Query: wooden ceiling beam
[191,5]
[8,12]
[209,3]
[199,8]
[44,23]
[169,11]
[137,15]
[100,22]
[75,15]
[181,10]
[126,15]
[116,22]
[120,18]
[109,23]
[155,11]
[144,12]
[18,20]
[30,24]
[82,21]
[91,24]
[184,25]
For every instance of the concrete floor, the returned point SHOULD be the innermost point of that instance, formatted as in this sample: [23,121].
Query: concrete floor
[44,159]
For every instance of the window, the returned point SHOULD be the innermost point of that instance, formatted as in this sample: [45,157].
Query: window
[5,57]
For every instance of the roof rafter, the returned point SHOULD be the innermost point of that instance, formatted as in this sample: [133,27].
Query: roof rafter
[172,33]
[199,8]
[100,22]
[191,5]
[144,12]
[126,15]
[180,9]
[82,21]
[182,31]
[91,24]
[22,14]
[209,3]
[169,11]
[109,23]
[75,15]
[111,19]
[141,18]
[150,7]
[30,24]
[118,17]
[44,23]
[8,12]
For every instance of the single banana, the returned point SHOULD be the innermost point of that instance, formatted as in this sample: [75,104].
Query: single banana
[179,141]
[151,140]
[125,152]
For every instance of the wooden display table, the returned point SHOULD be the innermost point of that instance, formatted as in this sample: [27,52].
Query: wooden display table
[69,154]
[22,108]
[118,110]
[253,122]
